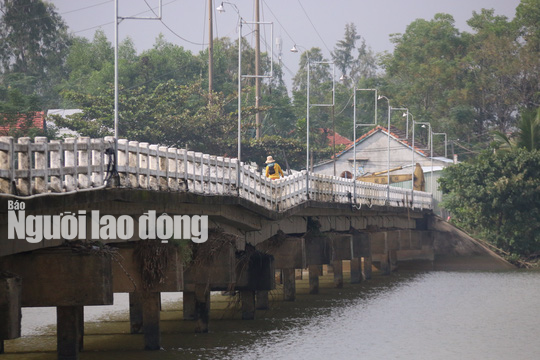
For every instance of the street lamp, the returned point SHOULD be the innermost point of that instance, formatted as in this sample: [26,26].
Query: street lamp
[445,143]
[430,146]
[308,104]
[388,157]
[221,9]
[117,21]
[354,131]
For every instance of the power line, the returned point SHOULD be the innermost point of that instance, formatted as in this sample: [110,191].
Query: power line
[314,28]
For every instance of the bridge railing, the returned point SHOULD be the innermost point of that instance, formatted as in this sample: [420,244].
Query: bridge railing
[40,167]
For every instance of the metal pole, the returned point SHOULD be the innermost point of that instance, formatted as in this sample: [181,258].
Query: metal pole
[239,102]
[354,145]
[116,81]
[388,157]
[210,49]
[257,72]
[432,176]
[413,165]
[307,132]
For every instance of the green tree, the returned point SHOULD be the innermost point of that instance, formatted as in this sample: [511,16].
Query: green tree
[497,197]
[33,43]
[353,66]
[423,73]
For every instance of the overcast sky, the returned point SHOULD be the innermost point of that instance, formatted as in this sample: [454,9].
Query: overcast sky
[308,23]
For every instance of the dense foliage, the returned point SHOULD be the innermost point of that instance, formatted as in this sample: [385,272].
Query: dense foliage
[497,196]
[466,84]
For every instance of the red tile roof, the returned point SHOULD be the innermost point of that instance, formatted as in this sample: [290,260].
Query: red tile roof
[340,139]
[37,121]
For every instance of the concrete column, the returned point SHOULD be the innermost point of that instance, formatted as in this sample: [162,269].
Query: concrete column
[202,308]
[135,312]
[368,271]
[385,263]
[356,270]
[262,302]
[248,304]
[289,285]
[314,272]
[338,273]
[68,332]
[151,310]
[188,304]
[10,308]
[392,259]
[81,327]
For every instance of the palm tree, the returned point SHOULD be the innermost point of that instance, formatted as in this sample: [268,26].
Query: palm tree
[527,136]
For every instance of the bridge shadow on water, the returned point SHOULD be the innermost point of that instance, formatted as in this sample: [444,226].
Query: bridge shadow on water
[229,337]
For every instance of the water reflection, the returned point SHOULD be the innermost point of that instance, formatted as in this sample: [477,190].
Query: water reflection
[440,315]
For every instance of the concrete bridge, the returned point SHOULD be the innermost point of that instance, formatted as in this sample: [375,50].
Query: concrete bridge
[255,227]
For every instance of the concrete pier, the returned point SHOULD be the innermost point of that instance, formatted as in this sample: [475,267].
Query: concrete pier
[262,302]
[10,308]
[69,336]
[338,273]
[356,271]
[314,272]
[150,311]
[289,284]
[248,304]
[135,312]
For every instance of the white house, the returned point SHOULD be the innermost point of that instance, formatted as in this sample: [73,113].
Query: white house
[372,155]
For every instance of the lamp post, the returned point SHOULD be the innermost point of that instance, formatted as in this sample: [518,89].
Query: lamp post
[354,133]
[221,9]
[308,104]
[117,21]
[388,157]
[445,143]
[430,146]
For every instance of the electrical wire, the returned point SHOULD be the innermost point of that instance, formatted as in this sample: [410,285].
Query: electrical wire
[314,28]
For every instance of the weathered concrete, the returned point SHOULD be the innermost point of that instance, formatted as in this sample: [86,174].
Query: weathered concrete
[62,277]
[127,271]
[289,284]
[456,250]
[262,301]
[68,319]
[288,252]
[151,307]
[356,271]
[213,265]
[338,273]
[10,307]
[314,272]
[135,312]
[247,297]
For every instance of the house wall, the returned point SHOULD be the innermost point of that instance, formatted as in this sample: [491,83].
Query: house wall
[375,149]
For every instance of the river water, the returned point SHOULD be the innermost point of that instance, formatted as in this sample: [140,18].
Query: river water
[434,315]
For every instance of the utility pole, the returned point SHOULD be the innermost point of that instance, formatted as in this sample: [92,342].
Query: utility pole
[210,50]
[257,71]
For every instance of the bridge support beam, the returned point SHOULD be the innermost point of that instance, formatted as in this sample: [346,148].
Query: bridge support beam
[314,272]
[10,308]
[135,312]
[67,280]
[262,301]
[289,284]
[69,331]
[338,273]
[151,307]
[356,271]
[197,307]
[368,270]
[248,304]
